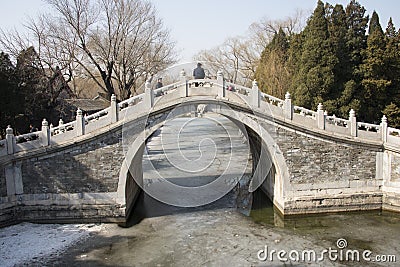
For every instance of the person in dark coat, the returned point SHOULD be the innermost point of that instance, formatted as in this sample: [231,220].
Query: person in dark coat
[159,83]
[198,73]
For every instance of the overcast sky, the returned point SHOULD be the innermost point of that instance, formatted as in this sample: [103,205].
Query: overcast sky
[204,24]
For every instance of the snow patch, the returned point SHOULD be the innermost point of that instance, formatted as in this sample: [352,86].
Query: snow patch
[26,241]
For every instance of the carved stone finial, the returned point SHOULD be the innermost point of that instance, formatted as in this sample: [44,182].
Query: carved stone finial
[255,83]
[384,119]
[9,130]
[352,113]
[147,85]
[45,122]
[113,97]
[287,96]
[219,73]
[79,112]
[183,73]
[60,122]
[320,106]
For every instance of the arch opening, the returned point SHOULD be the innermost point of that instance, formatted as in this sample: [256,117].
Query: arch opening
[260,142]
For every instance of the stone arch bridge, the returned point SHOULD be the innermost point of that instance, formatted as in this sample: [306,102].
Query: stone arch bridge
[78,171]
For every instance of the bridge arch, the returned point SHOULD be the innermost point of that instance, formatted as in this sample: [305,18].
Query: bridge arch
[269,150]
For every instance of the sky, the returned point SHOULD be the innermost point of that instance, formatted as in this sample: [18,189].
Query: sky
[205,24]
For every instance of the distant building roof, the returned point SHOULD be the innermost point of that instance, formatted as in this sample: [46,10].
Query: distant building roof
[90,105]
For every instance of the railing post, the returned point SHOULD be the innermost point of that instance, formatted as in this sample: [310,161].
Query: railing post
[113,109]
[255,95]
[320,117]
[80,123]
[384,127]
[148,95]
[45,133]
[10,140]
[353,123]
[61,126]
[221,81]
[185,90]
[288,107]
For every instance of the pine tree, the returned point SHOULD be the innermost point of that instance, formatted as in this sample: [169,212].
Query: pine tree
[316,79]
[271,72]
[374,24]
[356,42]
[375,82]
[392,61]
[294,60]
[342,71]
[392,112]
[11,100]
[356,39]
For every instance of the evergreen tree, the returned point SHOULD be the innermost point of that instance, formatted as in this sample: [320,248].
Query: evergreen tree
[342,71]
[294,61]
[316,79]
[374,24]
[375,82]
[356,39]
[11,100]
[271,72]
[392,60]
[392,112]
[356,42]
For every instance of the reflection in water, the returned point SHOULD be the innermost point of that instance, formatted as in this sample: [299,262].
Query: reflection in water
[364,230]
[148,207]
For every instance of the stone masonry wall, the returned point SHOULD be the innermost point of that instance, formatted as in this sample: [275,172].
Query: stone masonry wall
[3,185]
[395,168]
[311,160]
[90,167]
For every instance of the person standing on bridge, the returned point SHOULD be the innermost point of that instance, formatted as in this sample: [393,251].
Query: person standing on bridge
[198,73]
[159,83]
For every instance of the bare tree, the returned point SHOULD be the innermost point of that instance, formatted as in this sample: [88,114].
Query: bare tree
[229,58]
[117,43]
[264,30]
[239,56]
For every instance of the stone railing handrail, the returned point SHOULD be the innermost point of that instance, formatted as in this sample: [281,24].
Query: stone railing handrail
[129,101]
[62,127]
[273,99]
[202,82]
[393,131]
[337,121]
[28,136]
[283,109]
[168,87]
[369,126]
[304,111]
[239,88]
[97,115]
